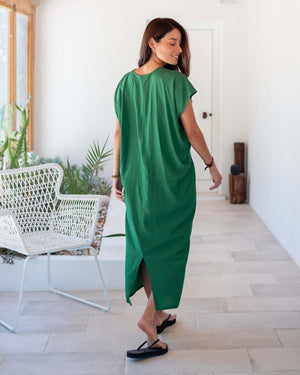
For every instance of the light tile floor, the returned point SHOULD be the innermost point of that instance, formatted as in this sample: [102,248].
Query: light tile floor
[239,313]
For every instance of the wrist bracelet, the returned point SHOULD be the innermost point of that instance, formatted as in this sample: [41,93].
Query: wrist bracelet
[210,164]
[115,176]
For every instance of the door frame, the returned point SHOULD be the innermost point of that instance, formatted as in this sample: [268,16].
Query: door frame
[216,27]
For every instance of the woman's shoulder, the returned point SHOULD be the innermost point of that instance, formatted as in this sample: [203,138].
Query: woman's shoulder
[124,77]
[122,81]
[177,81]
[172,74]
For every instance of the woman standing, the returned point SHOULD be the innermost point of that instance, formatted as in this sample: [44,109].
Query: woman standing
[155,176]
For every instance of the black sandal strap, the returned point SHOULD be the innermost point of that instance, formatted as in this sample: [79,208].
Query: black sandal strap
[141,345]
[155,342]
[168,317]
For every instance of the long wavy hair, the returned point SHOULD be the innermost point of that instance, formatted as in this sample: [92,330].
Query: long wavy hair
[157,29]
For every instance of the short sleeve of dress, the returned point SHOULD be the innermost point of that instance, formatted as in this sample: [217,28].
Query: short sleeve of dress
[117,101]
[183,91]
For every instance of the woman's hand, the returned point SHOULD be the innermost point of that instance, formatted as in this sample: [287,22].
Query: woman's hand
[216,176]
[119,189]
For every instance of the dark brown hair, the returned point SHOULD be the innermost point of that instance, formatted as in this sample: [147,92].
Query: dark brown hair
[157,29]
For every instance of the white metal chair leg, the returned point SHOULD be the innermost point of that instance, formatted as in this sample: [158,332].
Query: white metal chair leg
[14,327]
[104,308]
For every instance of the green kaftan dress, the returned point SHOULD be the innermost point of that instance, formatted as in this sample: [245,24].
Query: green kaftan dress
[158,176]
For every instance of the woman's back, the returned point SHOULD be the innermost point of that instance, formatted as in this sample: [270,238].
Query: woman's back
[153,142]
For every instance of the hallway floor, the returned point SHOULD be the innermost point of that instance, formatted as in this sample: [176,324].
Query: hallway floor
[239,313]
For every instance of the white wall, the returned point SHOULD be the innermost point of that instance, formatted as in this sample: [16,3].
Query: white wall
[274,118]
[84,47]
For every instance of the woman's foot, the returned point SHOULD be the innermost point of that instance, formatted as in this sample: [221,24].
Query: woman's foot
[160,344]
[160,316]
[149,327]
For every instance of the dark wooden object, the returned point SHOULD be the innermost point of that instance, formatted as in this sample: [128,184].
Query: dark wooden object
[239,155]
[237,188]
[237,183]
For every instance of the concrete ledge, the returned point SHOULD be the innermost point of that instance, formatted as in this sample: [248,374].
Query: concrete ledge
[67,272]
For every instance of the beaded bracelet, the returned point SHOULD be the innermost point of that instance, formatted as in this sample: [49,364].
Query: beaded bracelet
[210,164]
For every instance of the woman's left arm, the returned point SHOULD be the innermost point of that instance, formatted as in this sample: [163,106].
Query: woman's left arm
[196,139]
[117,180]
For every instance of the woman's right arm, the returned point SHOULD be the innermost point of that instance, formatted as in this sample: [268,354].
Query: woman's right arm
[196,139]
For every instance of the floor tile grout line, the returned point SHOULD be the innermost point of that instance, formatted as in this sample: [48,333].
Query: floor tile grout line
[2,360]
[47,342]
[124,365]
[213,267]
[87,323]
[276,333]
[226,304]
[194,321]
[253,364]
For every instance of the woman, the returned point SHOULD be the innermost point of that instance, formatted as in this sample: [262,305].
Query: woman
[154,174]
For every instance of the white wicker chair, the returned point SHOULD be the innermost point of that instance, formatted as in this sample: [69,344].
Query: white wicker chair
[36,219]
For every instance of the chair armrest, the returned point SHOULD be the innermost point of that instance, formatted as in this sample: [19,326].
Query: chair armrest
[77,215]
[10,233]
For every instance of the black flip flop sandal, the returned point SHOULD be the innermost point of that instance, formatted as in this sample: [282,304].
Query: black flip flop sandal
[166,323]
[147,352]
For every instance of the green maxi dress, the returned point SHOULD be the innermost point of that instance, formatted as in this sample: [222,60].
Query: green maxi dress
[158,176]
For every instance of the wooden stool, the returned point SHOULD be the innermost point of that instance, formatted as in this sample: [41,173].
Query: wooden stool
[237,188]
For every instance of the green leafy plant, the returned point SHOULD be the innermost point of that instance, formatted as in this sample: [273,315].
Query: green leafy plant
[96,158]
[83,179]
[13,143]
[86,180]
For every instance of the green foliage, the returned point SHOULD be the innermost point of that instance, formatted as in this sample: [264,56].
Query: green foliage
[84,179]
[13,143]
[96,158]
[74,181]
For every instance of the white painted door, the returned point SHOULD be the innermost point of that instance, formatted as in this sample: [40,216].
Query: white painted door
[201,76]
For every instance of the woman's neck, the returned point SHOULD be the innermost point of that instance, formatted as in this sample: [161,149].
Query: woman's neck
[149,67]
